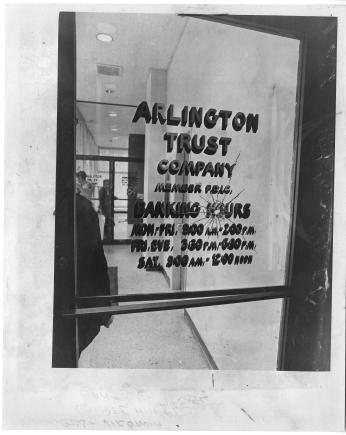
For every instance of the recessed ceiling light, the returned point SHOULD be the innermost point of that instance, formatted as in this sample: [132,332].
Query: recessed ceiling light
[104,37]
[112,114]
[114,129]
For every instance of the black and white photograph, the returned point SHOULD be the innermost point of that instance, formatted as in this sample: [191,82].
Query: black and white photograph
[204,150]
[175,216]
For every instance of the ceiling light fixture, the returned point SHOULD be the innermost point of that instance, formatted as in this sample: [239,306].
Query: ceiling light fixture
[112,114]
[114,129]
[104,37]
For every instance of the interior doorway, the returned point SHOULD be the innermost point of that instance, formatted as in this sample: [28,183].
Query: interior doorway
[114,173]
[114,186]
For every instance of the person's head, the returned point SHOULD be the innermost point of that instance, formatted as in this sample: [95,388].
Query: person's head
[105,183]
[81,176]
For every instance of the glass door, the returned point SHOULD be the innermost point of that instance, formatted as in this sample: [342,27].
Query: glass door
[110,166]
[208,169]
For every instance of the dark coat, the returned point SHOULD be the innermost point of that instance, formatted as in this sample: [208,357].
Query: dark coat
[92,270]
[92,276]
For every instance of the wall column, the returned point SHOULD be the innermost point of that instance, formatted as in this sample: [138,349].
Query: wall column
[154,147]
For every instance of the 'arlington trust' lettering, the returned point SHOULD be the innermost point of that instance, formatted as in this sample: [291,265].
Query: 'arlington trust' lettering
[195,117]
[184,142]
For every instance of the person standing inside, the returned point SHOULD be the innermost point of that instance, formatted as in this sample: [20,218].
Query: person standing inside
[84,187]
[92,269]
[105,200]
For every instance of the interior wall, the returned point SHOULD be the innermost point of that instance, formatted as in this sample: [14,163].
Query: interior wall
[85,144]
[135,185]
[156,89]
[247,77]
[224,74]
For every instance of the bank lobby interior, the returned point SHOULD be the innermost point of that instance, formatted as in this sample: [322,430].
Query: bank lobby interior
[116,70]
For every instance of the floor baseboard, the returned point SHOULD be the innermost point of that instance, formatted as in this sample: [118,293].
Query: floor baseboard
[205,350]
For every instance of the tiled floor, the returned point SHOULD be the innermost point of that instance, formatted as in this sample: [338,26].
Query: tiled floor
[160,339]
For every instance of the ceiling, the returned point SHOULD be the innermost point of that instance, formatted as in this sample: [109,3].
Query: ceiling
[140,42]
[107,130]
